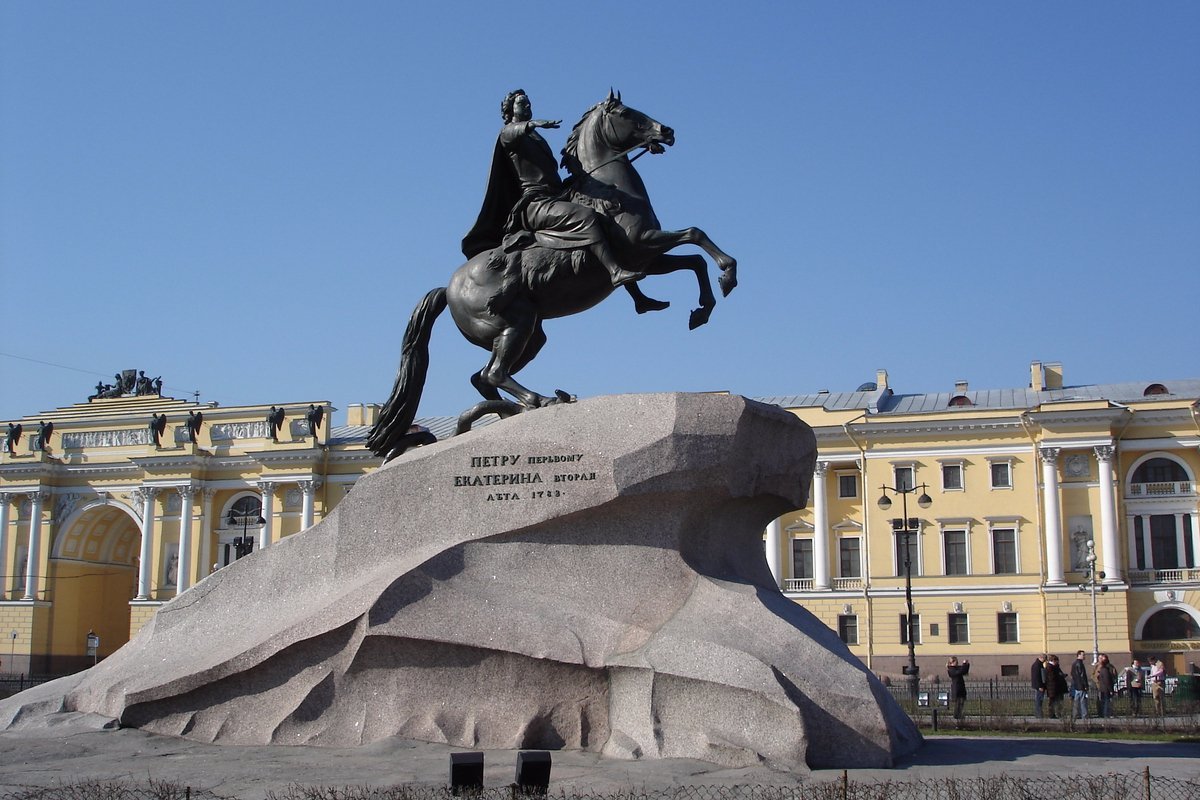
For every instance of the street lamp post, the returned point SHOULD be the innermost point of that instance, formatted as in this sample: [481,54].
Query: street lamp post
[1093,584]
[910,527]
[243,545]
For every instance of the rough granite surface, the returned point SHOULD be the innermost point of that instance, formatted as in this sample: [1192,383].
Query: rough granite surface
[587,576]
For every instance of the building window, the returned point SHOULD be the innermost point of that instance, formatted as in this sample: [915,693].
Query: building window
[955,545]
[848,628]
[916,618]
[847,486]
[904,478]
[1007,628]
[1004,551]
[907,543]
[1010,670]
[849,558]
[957,629]
[1001,475]
[952,477]
[802,558]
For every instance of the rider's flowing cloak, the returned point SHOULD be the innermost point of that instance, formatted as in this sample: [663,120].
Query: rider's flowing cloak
[538,207]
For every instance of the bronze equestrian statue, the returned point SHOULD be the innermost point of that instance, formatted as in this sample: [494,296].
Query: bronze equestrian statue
[544,249]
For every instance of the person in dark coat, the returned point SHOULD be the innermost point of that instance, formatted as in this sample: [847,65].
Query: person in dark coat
[1079,687]
[1056,685]
[1106,686]
[1037,679]
[958,684]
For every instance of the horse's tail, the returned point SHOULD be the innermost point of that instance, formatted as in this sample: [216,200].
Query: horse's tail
[401,408]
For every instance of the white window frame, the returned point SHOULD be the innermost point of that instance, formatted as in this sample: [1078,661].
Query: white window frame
[792,555]
[992,464]
[1004,525]
[857,637]
[965,530]
[903,626]
[920,556]
[838,476]
[1017,619]
[950,627]
[861,565]
[962,475]
[897,466]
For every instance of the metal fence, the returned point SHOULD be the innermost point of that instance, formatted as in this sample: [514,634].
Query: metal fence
[1000,698]
[1115,786]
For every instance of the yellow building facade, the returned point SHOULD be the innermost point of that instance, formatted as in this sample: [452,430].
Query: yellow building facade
[1024,485]
[111,507]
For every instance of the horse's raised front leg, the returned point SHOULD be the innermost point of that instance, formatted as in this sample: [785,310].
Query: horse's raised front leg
[665,264]
[669,240]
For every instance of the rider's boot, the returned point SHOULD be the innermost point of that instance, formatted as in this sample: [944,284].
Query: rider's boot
[620,275]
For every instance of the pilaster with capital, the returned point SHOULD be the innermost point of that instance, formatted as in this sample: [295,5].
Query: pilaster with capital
[146,495]
[37,499]
[266,533]
[187,561]
[1052,522]
[5,580]
[1114,568]
[309,489]
[820,527]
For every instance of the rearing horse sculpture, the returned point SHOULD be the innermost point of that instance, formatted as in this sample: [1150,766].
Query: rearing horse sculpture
[545,284]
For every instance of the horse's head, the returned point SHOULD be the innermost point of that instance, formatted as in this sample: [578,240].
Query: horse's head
[611,129]
[631,128]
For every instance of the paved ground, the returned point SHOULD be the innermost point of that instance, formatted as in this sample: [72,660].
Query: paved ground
[74,749]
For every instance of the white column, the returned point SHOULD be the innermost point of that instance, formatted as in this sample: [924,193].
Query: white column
[1053,523]
[820,528]
[773,551]
[268,511]
[1180,543]
[1145,518]
[206,528]
[186,567]
[1195,541]
[34,551]
[5,499]
[1109,539]
[309,489]
[147,493]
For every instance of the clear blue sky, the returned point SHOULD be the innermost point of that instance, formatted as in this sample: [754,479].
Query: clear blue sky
[249,198]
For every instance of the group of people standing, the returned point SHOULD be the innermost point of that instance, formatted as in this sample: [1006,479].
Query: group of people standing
[1051,685]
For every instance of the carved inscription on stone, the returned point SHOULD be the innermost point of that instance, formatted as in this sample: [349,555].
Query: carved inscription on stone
[522,477]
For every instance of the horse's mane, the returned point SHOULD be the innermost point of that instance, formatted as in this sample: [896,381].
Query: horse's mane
[570,152]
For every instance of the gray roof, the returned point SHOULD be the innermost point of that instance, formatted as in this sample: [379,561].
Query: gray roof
[886,402]
[890,402]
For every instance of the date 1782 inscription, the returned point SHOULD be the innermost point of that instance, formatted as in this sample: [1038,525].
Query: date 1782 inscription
[517,476]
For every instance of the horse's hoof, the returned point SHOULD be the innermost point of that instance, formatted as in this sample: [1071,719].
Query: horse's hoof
[650,304]
[698,317]
[562,397]
[727,281]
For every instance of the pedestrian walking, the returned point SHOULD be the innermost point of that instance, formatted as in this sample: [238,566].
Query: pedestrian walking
[1079,687]
[1106,685]
[1158,685]
[958,684]
[1037,679]
[1135,683]
[1056,685]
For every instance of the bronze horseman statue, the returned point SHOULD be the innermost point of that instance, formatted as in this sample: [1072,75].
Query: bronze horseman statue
[545,248]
